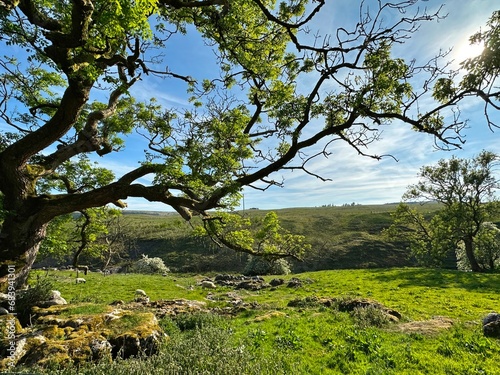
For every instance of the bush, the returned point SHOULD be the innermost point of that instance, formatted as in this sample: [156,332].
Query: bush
[193,321]
[27,299]
[263,266]
[148,265]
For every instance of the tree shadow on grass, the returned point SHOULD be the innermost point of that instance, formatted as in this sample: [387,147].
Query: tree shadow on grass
[440,278]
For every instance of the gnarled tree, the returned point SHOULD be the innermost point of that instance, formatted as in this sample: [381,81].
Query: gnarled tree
[71,95]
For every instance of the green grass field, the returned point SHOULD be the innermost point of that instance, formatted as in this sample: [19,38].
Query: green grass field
[439,331]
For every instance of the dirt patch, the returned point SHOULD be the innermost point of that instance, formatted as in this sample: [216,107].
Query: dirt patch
[426,327]
[269,316]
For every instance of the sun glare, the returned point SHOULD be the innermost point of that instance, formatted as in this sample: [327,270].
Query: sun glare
[466,51]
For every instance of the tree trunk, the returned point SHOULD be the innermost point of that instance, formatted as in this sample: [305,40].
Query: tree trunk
[469,251]
[20,240]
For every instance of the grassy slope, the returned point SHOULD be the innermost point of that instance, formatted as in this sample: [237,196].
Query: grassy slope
[342,237]
[319,340]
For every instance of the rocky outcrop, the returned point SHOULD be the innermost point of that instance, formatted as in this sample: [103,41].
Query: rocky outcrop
[241,282]
[55,299]
[57,338]
[345,305]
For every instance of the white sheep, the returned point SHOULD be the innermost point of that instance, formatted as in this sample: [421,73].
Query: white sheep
[208,284]
[80,280]
[140,292]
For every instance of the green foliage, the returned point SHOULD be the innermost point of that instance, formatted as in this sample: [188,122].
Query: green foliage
[87,234]
[76,177]
[486,249]
[254,115]
[205,350]
[370,316]
[192,321]
[41,291]
[388,86]
[57,244]
[483,69]
[270,239]
[466,189]
[444,89]
[289,340]
[340,237]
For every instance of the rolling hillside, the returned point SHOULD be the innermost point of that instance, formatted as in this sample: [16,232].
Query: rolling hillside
[341,237]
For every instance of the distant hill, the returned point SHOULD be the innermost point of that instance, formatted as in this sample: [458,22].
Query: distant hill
[341,237]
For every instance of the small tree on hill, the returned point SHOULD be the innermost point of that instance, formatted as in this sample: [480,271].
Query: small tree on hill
[465,188]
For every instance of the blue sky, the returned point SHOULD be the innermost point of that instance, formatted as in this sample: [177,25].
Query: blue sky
[354,178]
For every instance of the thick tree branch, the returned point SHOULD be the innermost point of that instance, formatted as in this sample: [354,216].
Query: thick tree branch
[89,138]
[35,16]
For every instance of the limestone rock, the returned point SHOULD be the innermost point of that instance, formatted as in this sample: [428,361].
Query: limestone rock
[141,339]
[55,299]
[56,340]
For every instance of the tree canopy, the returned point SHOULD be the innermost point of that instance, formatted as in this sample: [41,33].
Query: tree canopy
[72,98]
[466,190]
[481,73]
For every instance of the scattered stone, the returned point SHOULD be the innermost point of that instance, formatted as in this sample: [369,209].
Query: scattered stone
[241,282]
[117,302]
[141,296]
[100,349]
[276,282]
[254,284]
[229,280]
[58,341]
[294,282]
[3,311]
[141,299]
[491,325]
[142,339]
[311,301]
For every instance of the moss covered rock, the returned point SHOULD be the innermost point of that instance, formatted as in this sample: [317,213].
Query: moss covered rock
[59,338]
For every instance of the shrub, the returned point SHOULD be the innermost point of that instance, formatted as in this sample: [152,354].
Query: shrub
[148,265]
[264,266]
[27,299]
[200,320]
